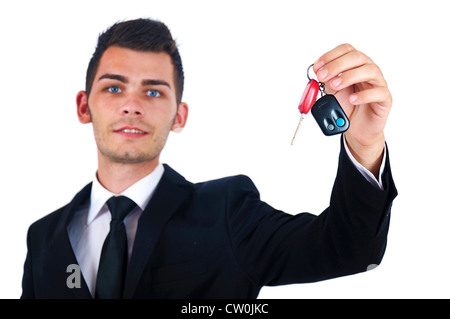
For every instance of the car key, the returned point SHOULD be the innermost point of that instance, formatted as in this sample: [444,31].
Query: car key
[330,116]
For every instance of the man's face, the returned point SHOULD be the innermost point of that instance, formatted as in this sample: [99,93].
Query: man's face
[132,105]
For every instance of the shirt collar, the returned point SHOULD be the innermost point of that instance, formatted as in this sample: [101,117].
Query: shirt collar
[140,192]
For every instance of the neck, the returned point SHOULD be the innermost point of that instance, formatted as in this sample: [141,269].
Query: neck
[117,177]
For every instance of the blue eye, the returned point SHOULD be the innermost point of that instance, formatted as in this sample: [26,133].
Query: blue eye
[153,93]
[114,89]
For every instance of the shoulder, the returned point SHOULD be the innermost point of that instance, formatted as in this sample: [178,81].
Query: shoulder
[49,222]
[227,193]
[241,183]
[235,182]
[40,232]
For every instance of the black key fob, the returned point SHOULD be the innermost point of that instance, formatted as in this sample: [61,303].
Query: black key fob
[330,116]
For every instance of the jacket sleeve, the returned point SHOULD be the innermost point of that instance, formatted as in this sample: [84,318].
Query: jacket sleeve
[348,237]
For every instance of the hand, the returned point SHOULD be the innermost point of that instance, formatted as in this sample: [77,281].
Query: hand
[362,91]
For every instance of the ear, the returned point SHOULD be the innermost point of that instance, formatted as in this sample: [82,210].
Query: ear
[82,108]
[180,118]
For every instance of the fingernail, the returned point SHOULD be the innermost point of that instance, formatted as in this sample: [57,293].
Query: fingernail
[318,65]
[353,98]
[335,83]
[322,74]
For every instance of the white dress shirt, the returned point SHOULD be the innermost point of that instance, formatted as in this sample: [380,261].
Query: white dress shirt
[364,171]
[90,225]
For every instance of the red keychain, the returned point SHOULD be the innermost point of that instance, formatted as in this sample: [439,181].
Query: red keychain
[307,101]
[309,97]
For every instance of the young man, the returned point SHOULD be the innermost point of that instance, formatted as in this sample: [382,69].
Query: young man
[208,240]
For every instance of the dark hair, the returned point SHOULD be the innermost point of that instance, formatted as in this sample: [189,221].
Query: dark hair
[141,35]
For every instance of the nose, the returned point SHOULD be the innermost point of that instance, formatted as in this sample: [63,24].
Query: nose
[130,111]
[132,107]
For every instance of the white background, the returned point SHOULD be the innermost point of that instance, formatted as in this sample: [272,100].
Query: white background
[245,64]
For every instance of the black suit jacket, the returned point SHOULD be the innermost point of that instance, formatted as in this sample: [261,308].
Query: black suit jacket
[217,239]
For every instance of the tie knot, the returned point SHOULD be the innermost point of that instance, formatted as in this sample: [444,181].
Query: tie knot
[120,206]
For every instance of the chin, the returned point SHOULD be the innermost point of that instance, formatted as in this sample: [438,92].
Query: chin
[133,159]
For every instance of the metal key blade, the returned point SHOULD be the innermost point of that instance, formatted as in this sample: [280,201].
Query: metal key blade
[298,126]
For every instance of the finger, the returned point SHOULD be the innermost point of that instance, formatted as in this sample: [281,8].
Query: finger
[368,73]
[379,95]
[348,61]
[332,55]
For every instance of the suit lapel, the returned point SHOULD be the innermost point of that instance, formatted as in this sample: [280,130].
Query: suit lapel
[170,193]
[61,248]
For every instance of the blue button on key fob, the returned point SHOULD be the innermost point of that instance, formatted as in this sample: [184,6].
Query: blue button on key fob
[330,116]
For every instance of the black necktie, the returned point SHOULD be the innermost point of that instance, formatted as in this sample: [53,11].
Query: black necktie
[114,257]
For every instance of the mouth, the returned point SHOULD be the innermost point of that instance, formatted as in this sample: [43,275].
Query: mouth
[132,132]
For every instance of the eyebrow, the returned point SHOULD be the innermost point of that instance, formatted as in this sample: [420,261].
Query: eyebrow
[124,79]
[155,82]
[117,77]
